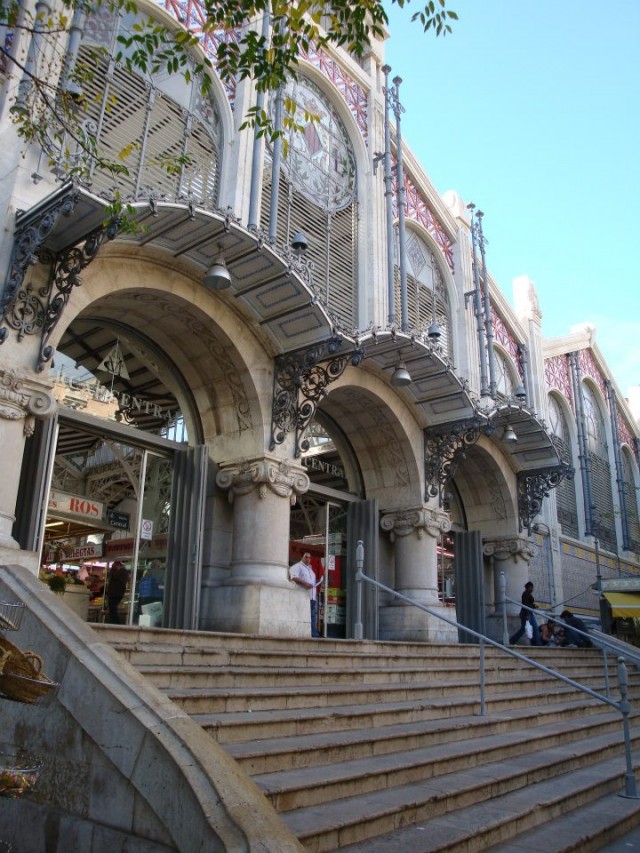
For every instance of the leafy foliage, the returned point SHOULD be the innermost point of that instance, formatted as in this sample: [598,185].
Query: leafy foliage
[50,114]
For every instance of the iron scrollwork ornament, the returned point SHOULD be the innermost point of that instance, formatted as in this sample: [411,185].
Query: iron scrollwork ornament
[444,448]
[300,382]
[66,275]
[20,308]
[32,310]
[534,487]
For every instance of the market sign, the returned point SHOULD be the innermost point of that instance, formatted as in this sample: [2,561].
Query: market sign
[118,519]
[74,505]
[82,552]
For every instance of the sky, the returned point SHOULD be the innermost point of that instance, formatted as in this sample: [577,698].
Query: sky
[531,110]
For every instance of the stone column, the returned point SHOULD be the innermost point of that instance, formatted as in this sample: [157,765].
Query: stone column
[414,533]
[511,555]
[22,399]
[258,596]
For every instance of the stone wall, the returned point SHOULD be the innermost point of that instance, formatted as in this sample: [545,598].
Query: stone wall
[124,768]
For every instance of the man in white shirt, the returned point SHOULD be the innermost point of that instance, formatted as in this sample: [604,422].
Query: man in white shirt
[302,574]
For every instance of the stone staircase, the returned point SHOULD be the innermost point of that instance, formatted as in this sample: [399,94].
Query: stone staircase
[381,746]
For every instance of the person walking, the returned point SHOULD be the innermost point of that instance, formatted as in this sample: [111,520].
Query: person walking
[527,615]
[302,574]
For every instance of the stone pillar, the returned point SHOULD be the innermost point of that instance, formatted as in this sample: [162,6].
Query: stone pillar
[511,555]
[414,534]
[258,597]
[22,399]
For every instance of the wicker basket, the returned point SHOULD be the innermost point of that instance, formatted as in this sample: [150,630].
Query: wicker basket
[21,676]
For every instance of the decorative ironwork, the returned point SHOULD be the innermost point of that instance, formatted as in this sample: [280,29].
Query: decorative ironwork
[300,381]
[66,276]
[27,243]
[32,310]
[445,447]
[534,487]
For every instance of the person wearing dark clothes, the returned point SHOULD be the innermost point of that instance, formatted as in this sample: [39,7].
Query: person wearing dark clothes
[573,638]
[116,588]
[527,615]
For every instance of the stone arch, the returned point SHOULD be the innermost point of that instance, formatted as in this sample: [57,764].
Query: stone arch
[486,487]
[209,344]
[385,440]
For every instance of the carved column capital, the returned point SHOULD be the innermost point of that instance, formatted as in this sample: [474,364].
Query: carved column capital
[511,548]
[22,398]
[279,476]
[420,520]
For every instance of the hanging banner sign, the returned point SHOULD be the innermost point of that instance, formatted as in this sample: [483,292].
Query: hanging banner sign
[75,505]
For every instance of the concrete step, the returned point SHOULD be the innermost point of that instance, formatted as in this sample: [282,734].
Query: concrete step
[211,700]
[317,748]
[462,812]
[611,824]
[232,727]
[309,786]
[381,746]
[168,676]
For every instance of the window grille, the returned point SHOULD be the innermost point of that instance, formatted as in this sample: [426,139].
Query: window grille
[631,500]
[566,505]
[332,237]
[600,470]
[133,117]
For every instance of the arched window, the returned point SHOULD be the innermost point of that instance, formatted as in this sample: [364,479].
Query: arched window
[631,500]
[427,297]
[506,380]
[162,129]
[317,195]
[600,469]
[565,492]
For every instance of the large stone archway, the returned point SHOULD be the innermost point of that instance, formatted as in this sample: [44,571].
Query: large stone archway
[486,488]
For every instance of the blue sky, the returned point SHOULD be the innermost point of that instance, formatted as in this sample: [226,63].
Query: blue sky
[531,109]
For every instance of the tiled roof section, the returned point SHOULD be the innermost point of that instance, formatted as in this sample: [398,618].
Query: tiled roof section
[353,93]
[558,376]
[191,14]
[417,209]
[503,336]
[626,436]
[589,367]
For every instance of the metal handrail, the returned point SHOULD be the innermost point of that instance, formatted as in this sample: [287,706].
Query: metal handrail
[623,706]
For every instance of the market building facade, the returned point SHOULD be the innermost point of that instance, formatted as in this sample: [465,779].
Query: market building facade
[297,348]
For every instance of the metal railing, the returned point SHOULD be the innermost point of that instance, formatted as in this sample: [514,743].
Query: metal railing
[623,705]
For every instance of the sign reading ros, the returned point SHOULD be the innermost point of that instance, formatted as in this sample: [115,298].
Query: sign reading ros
[74,504]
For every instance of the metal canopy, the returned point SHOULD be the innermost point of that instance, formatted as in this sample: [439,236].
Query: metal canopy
[533,448]
[434,386]
[273,286]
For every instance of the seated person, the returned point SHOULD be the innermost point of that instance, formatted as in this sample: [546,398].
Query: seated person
[546,632]
[573,637]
